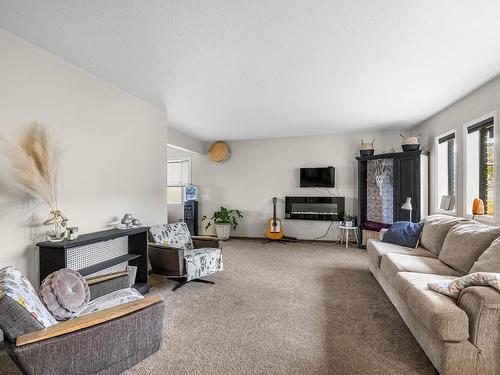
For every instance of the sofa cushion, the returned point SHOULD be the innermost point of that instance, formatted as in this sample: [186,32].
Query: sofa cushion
[465,243]
[403,233]
[489,261]
[376,249]
[439,313]
[393,263]
[435,229]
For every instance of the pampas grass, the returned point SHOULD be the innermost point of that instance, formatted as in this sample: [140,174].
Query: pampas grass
[34,164]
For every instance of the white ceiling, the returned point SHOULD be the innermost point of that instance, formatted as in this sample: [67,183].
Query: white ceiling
[240,69]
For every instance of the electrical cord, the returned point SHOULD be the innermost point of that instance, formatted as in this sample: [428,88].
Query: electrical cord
[326,233]
[333,220]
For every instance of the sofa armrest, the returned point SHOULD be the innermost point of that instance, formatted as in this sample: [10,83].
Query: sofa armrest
[482,305]
[207,241]
[87,321]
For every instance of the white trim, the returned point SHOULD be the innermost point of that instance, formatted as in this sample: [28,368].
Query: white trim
[436,161]
[183,149]
[483,218]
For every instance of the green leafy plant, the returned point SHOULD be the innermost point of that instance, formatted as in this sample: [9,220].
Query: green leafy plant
[224,216]
[348,217]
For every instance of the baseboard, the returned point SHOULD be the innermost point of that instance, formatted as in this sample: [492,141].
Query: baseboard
[265,239]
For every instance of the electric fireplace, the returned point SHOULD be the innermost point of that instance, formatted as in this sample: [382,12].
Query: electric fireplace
[314,208]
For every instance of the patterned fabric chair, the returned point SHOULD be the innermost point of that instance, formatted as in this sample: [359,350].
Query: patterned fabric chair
[174,253]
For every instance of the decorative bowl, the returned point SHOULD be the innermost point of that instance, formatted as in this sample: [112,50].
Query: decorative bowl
[366,152]
[413,147]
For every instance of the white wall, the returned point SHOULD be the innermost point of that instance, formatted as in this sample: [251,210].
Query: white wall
[258,170]
[185,142]
[482,101]
[113,148]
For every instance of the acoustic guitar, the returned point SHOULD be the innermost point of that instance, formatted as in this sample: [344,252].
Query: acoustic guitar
[274,227]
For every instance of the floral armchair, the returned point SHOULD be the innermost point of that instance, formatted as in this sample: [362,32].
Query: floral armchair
[174,253]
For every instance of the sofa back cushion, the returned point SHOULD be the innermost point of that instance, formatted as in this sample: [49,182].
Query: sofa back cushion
[465,242]
[435,229]
[489,261]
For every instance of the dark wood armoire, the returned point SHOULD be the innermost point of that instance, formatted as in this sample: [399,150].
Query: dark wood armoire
[385,182]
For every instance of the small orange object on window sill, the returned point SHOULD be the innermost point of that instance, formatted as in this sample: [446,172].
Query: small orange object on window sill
[477,207]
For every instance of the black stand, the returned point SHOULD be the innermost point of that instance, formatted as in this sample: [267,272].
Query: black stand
[280,241]
[185,281]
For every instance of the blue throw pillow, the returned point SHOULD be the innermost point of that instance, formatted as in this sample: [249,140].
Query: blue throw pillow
[404,233]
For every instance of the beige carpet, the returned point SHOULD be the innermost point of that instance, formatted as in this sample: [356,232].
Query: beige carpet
[284,309]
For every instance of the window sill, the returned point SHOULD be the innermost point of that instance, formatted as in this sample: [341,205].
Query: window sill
[482,218]
[445,212]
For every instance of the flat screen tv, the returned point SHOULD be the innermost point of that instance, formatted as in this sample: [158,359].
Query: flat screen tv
[317,177]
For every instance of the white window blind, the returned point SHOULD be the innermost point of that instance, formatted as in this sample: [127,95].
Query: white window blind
[178,173]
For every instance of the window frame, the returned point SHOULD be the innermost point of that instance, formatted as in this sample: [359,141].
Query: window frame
[179,160]
[438,198]
[483,218]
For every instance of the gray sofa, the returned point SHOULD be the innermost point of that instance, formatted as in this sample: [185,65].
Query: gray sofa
[459,336]
[104,342]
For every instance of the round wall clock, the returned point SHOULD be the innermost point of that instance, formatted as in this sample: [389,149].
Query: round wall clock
[219,151]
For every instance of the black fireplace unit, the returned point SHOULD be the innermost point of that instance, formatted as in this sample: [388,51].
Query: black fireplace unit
[314,208]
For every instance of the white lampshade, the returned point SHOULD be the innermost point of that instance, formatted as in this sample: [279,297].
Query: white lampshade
[407,205]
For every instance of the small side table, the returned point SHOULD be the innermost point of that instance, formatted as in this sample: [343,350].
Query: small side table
[344,234]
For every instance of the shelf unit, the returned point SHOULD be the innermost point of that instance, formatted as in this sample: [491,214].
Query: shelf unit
[54,255]
[410,178]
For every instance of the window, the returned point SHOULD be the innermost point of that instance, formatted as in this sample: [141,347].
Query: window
[480,164]
[178,176]
[446,171]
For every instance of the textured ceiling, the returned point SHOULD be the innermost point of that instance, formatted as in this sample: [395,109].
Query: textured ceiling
[234,69]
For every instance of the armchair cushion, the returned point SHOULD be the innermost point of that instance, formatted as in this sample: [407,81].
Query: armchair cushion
[174,235]
[110,300]
[15,286]
[202,262]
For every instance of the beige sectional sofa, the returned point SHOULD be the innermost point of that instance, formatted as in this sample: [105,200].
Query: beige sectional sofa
[459,336]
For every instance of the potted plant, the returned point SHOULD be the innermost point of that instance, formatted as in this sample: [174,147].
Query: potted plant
[223,220]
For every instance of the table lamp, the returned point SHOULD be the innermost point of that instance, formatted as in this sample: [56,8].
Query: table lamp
[407,206]
[477,207]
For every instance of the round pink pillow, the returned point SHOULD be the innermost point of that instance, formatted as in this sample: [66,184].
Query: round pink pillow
[64,293]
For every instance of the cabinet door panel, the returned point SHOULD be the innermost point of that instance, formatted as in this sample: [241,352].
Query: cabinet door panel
[407,184]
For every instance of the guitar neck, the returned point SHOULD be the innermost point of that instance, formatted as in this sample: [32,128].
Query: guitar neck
[274,210]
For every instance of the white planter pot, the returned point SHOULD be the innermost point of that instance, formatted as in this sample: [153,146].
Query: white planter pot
[223,231]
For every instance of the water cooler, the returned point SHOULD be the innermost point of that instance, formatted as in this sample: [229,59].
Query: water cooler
[191,209]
